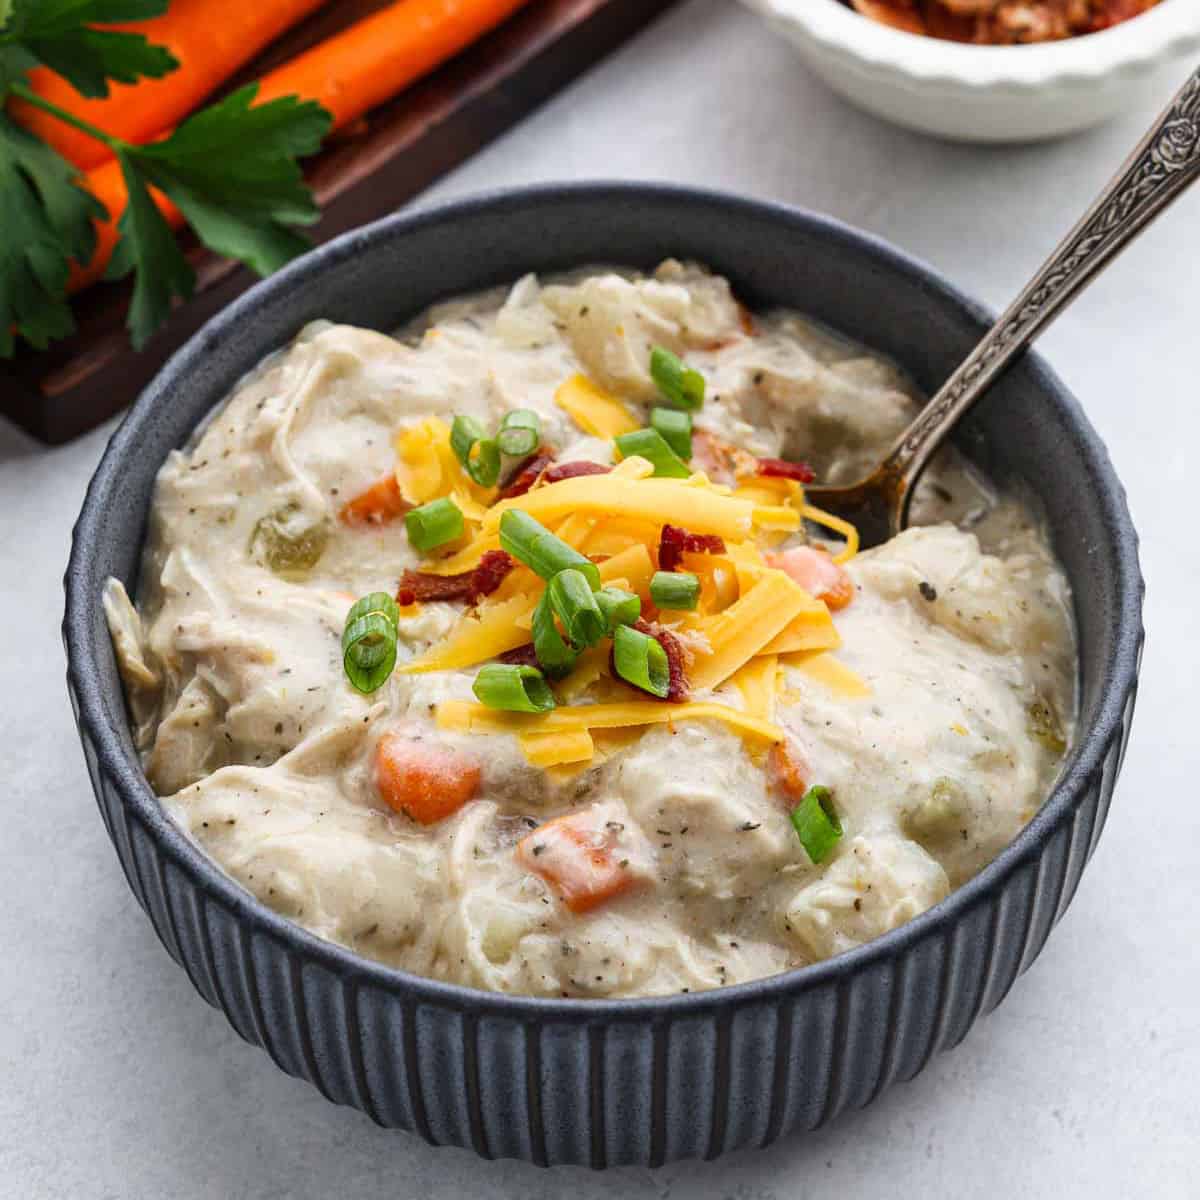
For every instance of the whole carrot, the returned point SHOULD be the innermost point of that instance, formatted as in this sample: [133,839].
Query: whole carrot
[210,41]
[371,61]
[349,73]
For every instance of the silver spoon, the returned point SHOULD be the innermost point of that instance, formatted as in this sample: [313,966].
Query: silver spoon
[1165,162]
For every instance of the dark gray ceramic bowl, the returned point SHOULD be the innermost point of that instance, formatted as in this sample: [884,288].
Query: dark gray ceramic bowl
[626,1081]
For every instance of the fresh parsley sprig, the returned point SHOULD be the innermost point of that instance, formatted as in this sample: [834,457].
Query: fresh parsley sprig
[59,34]
[231,169]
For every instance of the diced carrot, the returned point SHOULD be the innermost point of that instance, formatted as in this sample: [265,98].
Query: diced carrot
[746,321]
[816,572]
[720,460]
[380,503]
[418,777]
[577,859]
[787,771]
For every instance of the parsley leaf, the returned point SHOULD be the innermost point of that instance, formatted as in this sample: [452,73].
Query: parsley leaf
[59,34]
[232,171]
[14,62]
[46,220]
[148,248]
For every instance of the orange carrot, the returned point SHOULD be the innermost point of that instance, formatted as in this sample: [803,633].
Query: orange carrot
[577,860]
[210,46]
[786,771]
[349,73]
[380,503]
[427,781]
[817,573]
[371,61]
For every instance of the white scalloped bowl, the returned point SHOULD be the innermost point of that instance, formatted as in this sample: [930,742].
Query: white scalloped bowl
[986,93]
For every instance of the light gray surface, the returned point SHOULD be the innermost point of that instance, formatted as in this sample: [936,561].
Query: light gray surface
[116,1080]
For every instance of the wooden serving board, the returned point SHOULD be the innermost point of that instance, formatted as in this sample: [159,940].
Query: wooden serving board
[401,148]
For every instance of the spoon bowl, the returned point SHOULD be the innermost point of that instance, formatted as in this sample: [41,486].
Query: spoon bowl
[1162,166]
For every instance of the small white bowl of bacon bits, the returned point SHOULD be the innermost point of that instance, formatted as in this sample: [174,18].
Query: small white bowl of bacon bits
[990,70]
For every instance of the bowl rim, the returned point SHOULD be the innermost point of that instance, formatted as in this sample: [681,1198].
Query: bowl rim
[1170,29]
[82,633]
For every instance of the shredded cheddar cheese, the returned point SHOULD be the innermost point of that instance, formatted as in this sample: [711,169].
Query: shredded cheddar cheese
[748,626]
[558,749]
[661,501]
[752,619]
[593,409]
[463,716]
[426,469]
[758,683]
[494,629]
[834,674]
[820,517]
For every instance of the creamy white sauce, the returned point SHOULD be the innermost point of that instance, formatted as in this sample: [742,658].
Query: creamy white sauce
[264,753]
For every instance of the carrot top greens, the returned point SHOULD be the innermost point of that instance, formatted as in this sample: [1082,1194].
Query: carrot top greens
[230,168]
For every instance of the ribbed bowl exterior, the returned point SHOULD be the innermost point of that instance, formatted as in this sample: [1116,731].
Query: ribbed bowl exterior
[721,1076]
[605,1083]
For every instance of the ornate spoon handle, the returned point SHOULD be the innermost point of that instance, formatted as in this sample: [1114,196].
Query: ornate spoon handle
[1163,165]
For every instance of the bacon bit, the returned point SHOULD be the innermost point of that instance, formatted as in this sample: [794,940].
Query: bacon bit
[787,771]
[471,586]
[780,468]
[570,470]
[816,572]
[896,17]
[526,476]
[522,656]
[423,779]
[677,658]
[1001,22]
[493,568]
[1113,12]
[675,542]
[380,503]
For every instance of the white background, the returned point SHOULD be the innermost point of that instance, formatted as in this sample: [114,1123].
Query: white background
[116,1080]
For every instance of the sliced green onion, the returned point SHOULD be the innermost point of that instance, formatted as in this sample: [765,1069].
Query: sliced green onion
[369,642]
[483,463]
[640,660]
[534,545]
[619,607]
[816,821]
[376,602]
[675,426]
[513,688]
[679,590]
[572,599]
[520,432]
[682,386]
[478,453]
[556,657]
[464,433]
[433,524]
[649,444]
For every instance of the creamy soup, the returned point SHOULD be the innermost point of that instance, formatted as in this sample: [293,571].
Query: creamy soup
[844,737]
